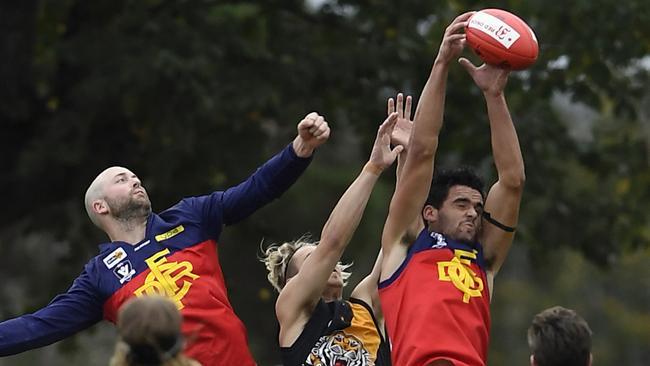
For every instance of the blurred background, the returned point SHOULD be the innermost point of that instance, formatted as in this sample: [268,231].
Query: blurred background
[194,95]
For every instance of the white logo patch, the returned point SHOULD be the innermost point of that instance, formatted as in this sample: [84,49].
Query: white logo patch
[124,271]
[114,258]
[495,28]
[439,239]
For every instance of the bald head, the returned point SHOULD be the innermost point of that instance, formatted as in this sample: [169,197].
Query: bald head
[97,190]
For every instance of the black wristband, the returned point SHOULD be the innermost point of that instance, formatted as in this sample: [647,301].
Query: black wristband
[488,218]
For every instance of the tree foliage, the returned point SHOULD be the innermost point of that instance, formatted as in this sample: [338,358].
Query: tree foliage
[193,95]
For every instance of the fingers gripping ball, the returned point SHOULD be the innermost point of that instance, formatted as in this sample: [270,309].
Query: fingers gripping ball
[502,39]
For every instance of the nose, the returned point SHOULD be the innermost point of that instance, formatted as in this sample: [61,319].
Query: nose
[472,212]
[136,183]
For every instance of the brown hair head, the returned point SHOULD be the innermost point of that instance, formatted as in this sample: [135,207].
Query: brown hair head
[149,328]
[560,337]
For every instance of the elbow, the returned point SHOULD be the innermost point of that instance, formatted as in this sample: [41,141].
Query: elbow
[334,241]
[420,151]
[514,180]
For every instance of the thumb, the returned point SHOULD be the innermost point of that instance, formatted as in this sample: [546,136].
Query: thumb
[467,64]
[397,150]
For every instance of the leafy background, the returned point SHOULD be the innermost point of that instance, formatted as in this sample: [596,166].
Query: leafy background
[193,95]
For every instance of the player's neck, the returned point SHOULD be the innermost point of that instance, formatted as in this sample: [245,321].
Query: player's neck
[130,231]
[332,294]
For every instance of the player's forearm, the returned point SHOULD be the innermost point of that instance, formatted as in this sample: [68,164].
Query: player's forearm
[281,171]
[416,225]
[269,182]
[30,331]
[505,143]
[401,159]
[345,217]
[302,149]
[429,113]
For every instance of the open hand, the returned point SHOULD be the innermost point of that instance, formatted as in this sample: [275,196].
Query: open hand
[382,156]
[402,131]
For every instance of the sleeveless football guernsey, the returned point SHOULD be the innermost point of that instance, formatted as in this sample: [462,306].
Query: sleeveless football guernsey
[436,305]
[339,333]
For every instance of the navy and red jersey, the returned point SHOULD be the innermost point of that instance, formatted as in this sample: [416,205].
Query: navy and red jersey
[177,258]
[436,305]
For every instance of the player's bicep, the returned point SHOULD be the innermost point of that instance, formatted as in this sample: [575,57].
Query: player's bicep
[498,229]
[406,204]
[302,292]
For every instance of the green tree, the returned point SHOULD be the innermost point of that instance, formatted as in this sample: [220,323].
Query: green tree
[193,95]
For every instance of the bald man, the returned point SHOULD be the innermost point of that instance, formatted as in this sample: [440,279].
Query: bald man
[173,253]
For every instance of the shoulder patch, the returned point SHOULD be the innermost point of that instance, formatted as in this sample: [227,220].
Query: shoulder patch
[170,234]
[114,258]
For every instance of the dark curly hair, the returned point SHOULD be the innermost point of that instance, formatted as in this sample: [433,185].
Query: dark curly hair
[444,179]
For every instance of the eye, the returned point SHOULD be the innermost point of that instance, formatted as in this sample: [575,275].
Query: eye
[461,204]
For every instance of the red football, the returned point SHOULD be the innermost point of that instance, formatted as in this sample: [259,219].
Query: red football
[500,38]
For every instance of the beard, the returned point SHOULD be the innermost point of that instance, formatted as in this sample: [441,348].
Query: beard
[129,209]
[468,237]
[456,232]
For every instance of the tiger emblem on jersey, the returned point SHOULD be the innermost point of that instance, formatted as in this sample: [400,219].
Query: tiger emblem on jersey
[339,349]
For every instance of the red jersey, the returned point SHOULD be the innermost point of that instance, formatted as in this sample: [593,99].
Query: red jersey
[177,258]
[436,305]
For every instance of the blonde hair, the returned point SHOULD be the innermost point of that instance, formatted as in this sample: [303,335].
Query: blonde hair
[149,329]
[276,258]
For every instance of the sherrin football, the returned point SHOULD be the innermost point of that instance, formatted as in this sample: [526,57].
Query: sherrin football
[502,39]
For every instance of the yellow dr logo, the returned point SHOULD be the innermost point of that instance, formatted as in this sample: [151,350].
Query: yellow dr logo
[164,277]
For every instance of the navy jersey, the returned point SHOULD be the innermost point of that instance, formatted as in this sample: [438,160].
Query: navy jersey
[177,258]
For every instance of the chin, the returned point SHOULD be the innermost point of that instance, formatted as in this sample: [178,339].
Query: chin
[335,283]
[469,238]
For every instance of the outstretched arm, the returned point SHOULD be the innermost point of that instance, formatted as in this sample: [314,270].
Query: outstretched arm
[411,193]
[77,309]
[401,135]
[302,292]
[277,175]
[267,183]
[366,290]
[504,197]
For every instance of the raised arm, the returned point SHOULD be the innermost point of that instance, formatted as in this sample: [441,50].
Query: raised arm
[276,175]
[366,290]
[401,135]
[415,181]
[77,309]
[267,183]
[302,292]
[504,198]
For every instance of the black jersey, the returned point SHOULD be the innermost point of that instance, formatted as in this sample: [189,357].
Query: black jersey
[339,333]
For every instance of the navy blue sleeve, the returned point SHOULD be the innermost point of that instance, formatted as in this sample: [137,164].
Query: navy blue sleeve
[267,183]
[68,313]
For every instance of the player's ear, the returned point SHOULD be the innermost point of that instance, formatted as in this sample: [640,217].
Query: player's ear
[430,213]
[100,206]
